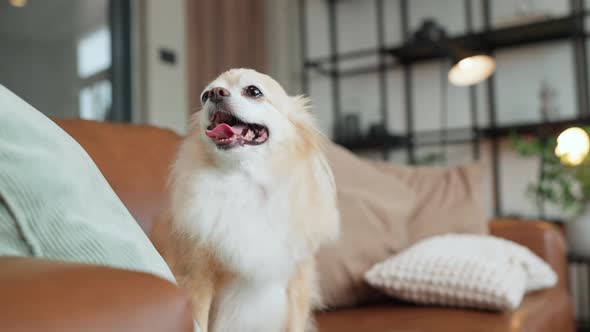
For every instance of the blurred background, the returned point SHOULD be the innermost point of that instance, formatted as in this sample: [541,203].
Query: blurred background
[378,71]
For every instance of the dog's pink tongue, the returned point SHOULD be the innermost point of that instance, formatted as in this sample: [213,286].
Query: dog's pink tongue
[222,131]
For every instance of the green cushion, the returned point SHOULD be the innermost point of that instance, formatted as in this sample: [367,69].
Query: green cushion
[55,203]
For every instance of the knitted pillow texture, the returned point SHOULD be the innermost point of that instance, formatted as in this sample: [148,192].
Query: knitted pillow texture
[463,270]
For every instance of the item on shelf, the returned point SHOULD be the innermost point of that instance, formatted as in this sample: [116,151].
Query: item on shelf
[516,21]
[430,31]
[377,130]
[524,13]
[525,7]
[547,95]
[339,134]
[578,232]
[430,159]
[351,128]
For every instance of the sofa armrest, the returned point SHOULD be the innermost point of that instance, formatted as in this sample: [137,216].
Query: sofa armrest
[43,295]
[543,238]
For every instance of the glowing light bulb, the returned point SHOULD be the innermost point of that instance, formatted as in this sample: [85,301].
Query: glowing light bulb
[18,3]
[472,70]
[466,64]
[573,145]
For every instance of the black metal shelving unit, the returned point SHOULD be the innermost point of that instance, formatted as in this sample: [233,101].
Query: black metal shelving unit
[579,273]
[409,53]
[490,40]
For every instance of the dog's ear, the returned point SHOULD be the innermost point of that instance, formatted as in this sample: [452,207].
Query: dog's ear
[310,138]
[304,111]
[300,111]
[301,103]
[300,114]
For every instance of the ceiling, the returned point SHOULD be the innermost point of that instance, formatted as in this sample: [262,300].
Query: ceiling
[51,20]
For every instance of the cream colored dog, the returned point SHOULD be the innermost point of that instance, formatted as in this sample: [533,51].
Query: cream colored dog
[253,198]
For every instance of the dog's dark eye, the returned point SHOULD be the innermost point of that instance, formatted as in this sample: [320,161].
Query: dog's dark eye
[205,97]
[253,91]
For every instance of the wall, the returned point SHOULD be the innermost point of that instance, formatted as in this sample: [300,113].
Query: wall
[42,73]
[38,59]
[166,94]
[518,78]
[163,96]
[282,37]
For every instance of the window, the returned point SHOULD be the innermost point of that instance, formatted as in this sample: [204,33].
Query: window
[56,55]
[94,64]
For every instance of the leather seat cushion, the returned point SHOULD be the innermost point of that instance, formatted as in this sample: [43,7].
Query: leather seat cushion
[542,311]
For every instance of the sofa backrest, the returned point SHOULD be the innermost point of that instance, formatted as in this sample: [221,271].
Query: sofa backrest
[135,160]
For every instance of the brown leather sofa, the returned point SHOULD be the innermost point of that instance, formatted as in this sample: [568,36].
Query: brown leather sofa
[135,160]
[542,311]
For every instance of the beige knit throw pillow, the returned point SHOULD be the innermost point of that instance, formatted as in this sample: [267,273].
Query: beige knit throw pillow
[461,270]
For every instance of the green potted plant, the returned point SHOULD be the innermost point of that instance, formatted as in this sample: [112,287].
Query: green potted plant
[564,179]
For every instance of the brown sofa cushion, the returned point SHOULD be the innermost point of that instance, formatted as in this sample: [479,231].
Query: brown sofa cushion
[135,160]
[374,209]
[449,199]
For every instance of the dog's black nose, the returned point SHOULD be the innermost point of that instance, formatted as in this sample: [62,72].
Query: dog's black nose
[218,94]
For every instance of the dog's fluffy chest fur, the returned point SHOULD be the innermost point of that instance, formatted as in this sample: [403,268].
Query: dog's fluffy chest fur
[253,231]
[246,221]
[254,306]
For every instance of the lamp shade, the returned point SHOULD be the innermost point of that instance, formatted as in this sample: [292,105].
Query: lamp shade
[471,70]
